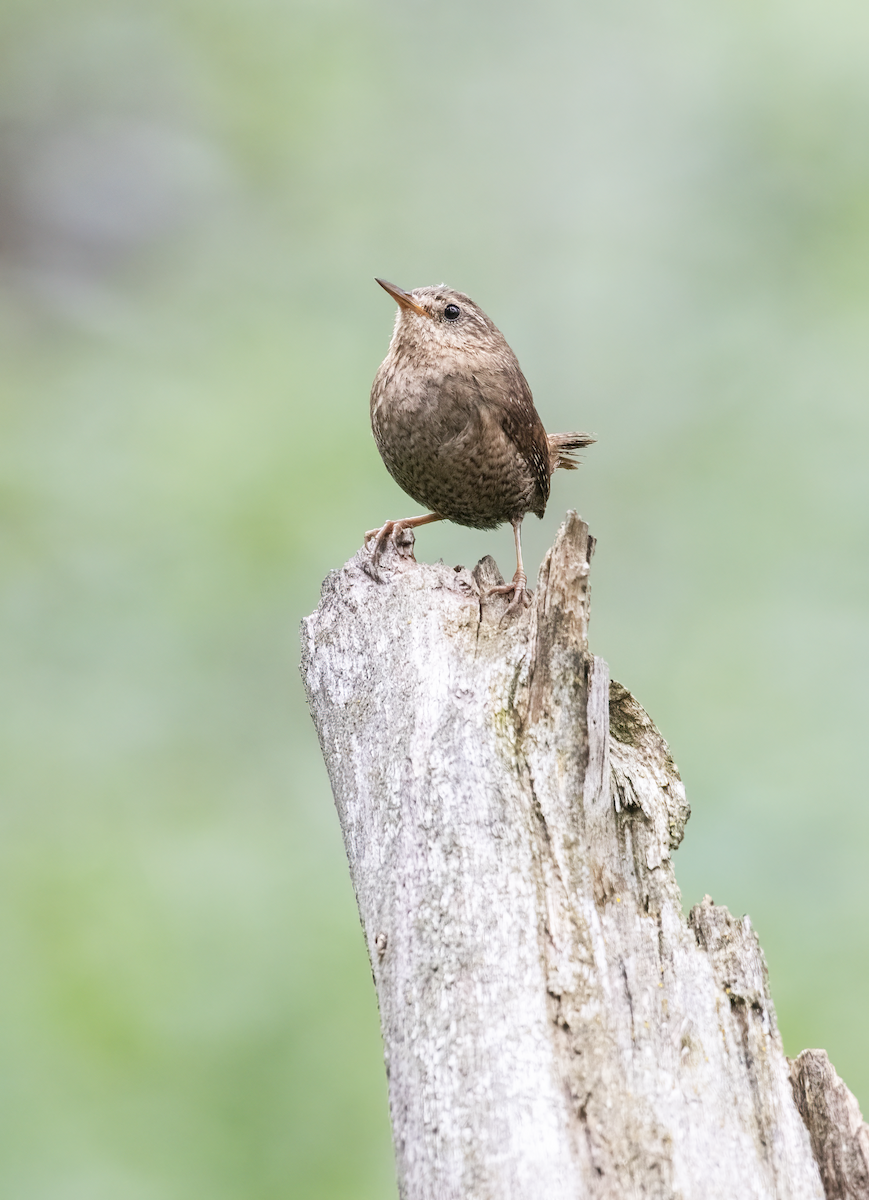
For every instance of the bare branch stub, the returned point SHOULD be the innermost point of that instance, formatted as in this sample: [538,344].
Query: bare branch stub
[552,1024]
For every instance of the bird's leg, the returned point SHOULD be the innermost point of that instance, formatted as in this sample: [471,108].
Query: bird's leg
[392,529]
[519,592]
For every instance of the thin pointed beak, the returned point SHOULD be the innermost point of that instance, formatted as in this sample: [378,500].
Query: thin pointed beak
[402,298]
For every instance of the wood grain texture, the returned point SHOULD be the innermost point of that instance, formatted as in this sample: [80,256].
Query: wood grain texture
[553,1026]
[840,1137]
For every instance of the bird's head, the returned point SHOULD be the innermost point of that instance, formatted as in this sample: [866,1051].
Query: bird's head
[437,321]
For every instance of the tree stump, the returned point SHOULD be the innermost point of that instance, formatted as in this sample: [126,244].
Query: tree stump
[553,1026]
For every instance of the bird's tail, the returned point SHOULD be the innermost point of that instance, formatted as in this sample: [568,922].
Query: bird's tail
[562,447]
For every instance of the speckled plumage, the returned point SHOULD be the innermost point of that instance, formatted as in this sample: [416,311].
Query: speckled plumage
[454,419]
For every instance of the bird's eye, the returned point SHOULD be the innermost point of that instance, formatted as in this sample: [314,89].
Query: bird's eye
[452,312]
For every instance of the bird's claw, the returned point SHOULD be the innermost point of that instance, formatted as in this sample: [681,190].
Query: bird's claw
[521,596]
[401,535]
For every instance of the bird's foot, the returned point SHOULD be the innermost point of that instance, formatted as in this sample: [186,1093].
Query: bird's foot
[517,588]
[400,533]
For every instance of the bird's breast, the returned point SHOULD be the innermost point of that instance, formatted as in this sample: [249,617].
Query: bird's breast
[446,447]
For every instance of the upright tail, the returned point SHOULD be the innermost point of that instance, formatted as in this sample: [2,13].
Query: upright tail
[562,446]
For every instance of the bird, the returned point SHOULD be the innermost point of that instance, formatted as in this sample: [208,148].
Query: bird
[455,424]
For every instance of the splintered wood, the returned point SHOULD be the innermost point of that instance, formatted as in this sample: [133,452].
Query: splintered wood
[553,1027]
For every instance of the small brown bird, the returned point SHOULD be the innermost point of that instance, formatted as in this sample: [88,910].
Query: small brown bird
[455,423]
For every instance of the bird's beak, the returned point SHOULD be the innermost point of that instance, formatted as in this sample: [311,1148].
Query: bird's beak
[403,298]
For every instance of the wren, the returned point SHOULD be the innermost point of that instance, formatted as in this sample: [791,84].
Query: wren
[456,426]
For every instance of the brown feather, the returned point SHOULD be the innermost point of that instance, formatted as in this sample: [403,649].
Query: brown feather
[562,446]
[506,391]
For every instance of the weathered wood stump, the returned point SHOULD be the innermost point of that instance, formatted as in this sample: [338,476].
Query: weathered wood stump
[553,1026]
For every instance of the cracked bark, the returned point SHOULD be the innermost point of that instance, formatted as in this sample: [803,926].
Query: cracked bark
[553,1026]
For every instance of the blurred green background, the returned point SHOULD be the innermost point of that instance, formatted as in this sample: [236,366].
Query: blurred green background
[665,208]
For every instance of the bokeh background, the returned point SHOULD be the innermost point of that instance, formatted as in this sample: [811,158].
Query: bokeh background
[665,207]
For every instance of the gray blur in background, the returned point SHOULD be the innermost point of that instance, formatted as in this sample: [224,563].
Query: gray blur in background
[665,208]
